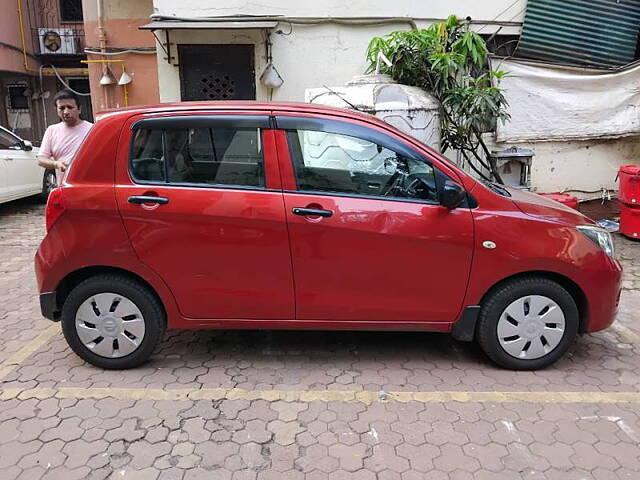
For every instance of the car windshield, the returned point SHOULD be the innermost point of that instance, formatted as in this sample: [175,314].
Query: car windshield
[9,140]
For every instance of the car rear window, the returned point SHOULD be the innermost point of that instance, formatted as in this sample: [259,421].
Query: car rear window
[201,156]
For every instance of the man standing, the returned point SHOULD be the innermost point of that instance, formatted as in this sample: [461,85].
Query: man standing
[62,140]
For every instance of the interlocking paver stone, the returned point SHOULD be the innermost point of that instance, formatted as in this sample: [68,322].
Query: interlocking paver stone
[251,439]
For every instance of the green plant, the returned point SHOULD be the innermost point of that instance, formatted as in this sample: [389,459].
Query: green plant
[450,62]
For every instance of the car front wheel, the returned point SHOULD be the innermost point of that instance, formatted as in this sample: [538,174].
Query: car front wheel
[49,182]
[112,321]
[527,323]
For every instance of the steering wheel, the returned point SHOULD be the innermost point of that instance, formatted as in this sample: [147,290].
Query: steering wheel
[420,185]
[394,186]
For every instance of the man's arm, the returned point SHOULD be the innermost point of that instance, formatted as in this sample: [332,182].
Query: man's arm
[51,164]
[44,155]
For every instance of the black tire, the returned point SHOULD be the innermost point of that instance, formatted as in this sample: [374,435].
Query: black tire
[140,295]
[499,299]
[48,184]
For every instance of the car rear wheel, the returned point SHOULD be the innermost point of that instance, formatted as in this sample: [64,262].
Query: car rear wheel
[527,323]
[112,321]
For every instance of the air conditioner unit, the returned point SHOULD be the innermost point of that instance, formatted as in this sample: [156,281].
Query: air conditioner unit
[58,41]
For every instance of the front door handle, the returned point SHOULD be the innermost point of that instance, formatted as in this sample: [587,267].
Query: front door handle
[311,212]
[140,199]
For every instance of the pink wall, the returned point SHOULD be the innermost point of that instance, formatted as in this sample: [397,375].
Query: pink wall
[142,68]
[10,59]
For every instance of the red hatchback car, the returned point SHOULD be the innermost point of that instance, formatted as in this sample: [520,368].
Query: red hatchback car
[244,215]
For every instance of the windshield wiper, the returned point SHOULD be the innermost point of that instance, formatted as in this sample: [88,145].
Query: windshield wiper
[497,188]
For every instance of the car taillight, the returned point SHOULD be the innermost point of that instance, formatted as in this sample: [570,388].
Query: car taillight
[55,207]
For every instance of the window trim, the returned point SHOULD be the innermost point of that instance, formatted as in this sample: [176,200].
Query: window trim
[180,122]
[339,127]
[290,124]
[317,193]
[203,121]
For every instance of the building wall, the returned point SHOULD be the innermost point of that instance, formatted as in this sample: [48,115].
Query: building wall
[309,56]
[12,71]
[11,58]
[314,55]
[121,22]
[583,168]
[479,11]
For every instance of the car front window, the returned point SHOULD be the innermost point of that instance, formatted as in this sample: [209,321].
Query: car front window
[331,162]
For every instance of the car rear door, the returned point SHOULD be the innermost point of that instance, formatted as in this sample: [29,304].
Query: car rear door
[369,240]
[201,200]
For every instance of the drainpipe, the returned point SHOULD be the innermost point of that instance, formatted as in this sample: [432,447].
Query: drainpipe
[102,42]
[24,44]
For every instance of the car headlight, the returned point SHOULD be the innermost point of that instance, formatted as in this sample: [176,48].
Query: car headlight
[600,237]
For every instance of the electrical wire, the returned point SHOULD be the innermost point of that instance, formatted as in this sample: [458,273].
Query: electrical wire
[66,85]
[91,51]
[503,11]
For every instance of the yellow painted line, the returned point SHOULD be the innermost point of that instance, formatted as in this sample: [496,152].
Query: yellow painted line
[11,363]
[627,335]
[365,397]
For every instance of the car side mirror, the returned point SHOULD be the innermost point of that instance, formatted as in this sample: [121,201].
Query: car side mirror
[452,195]
[27,146]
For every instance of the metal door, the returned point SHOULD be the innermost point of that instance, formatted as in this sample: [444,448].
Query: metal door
[217,72]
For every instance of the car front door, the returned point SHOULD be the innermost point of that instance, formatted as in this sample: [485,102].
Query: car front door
[201,201]
[369,240]
[24,176]
[4,177]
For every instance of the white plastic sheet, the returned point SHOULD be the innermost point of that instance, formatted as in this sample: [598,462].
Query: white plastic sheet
[548,102]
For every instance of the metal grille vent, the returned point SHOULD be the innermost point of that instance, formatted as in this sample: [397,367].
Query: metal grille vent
[595,33]
[218,88]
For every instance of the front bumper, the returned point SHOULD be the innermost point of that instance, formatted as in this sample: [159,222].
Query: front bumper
[49,306]
[603,295]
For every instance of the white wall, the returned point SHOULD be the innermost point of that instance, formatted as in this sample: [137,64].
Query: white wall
[505,10]
[312,56]
[587,165]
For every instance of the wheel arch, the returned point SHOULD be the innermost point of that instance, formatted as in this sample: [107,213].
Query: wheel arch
[73,279]
[569,285]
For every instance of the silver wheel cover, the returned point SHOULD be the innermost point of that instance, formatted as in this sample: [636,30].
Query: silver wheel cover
[531,327]
[110,325]
[50,181]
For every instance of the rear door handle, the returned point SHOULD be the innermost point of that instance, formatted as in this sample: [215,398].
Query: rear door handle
[311,212]
[140,199]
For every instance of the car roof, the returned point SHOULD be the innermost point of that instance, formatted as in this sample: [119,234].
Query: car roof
[276,107]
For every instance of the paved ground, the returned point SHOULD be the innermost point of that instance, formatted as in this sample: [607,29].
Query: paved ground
[308,405]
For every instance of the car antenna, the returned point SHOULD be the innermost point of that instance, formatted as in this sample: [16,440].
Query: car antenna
[339,95]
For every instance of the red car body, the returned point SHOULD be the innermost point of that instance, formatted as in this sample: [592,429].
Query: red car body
[226,258]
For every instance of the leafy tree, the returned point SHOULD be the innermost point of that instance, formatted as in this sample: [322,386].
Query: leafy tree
[449,61]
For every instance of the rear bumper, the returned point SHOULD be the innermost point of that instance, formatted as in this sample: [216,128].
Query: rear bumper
[49,306]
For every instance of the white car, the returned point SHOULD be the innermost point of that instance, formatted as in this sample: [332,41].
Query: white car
[20,174]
